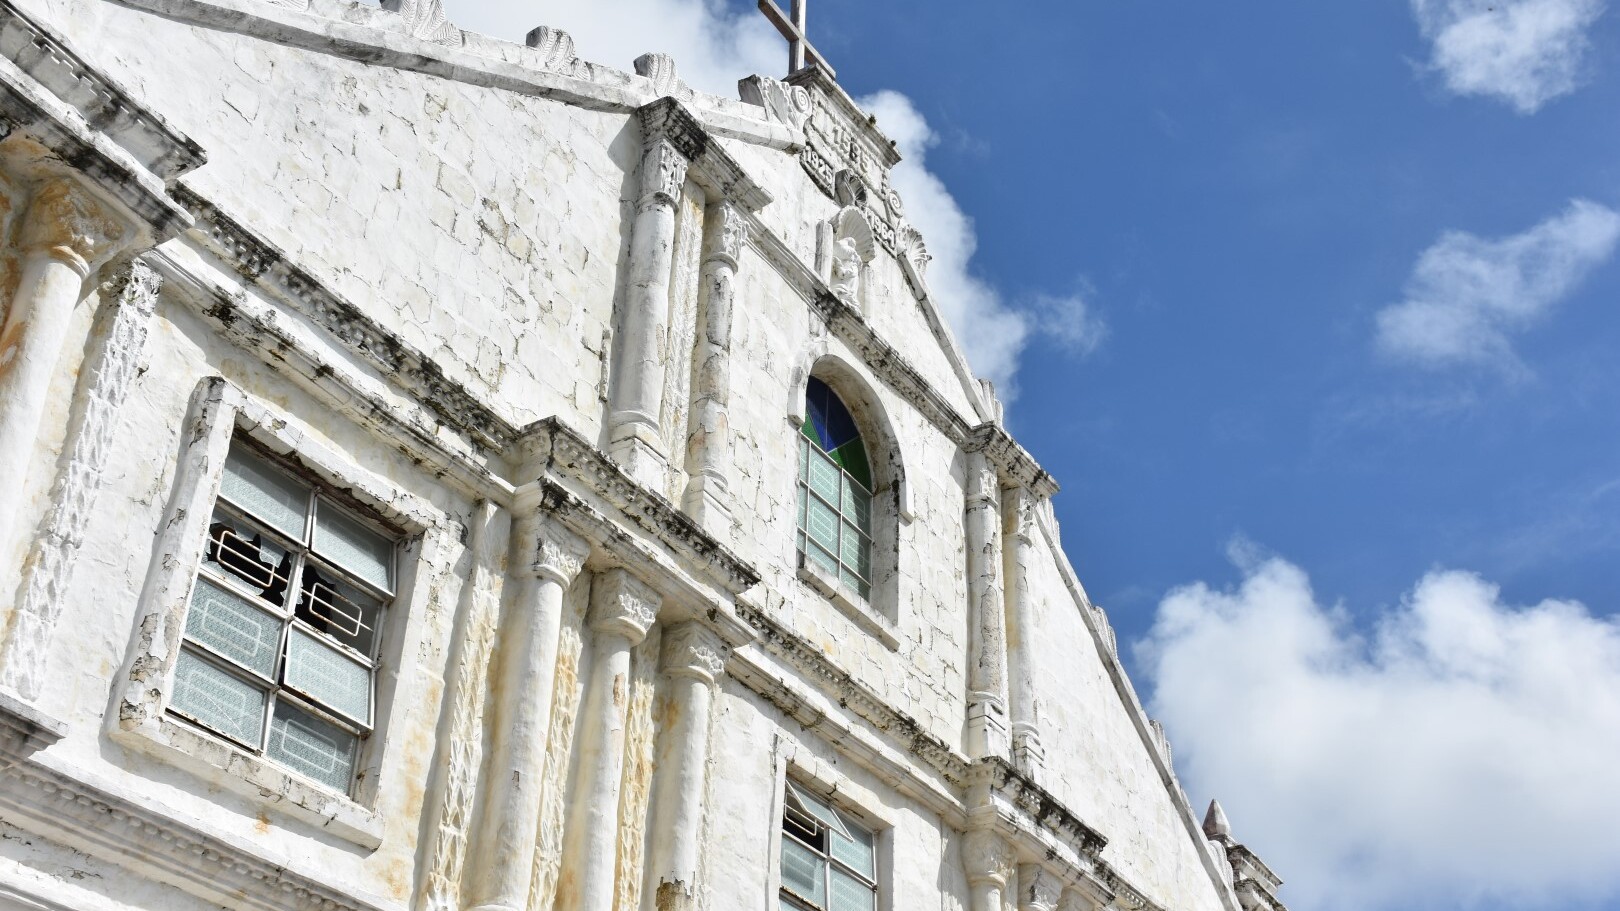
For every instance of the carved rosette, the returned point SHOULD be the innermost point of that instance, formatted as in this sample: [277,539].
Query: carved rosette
[693,650]
[559,554]
[65,223]
[1038,890]
[987,858]
[622,605]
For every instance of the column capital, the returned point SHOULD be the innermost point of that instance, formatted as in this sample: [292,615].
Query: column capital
[663,173]
[559,554]
[1018,514]
[691,649]
[1038,890]
[987,858]
[67,223]
[623,605]
[729,232]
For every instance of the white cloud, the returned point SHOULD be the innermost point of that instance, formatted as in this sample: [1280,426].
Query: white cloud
[1070,321]
[1467,293]
[1463,751]
[991,333]
[715,44]
[1523,52]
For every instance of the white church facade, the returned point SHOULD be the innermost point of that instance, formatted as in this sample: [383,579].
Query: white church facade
[443,473]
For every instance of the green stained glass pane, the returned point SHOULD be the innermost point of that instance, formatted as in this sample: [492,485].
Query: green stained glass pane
[808,429]
[852,458]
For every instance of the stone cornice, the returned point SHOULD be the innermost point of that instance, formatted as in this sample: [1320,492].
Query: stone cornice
[365,33]
[710,166]
[999,778]
[839,685]
[105,106]
[24,730]
[554,449]
[1014,464]
[138,835]
[262,263]
[89,124]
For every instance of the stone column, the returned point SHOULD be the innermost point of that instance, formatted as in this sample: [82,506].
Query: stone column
[635,438]
[548,558]
[1017,543]
[987,645]
[109,372]
[64,235]
[622,610]
[693,659]
[708,443]
[988,861]
[1038,890]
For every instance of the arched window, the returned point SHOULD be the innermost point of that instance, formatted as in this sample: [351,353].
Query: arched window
[835,491]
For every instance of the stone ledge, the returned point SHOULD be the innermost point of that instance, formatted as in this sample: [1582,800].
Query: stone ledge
[148,839]
[24,730]
[848,603]
[267,785]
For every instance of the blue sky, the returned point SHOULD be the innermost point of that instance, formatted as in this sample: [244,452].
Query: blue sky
[1311,309]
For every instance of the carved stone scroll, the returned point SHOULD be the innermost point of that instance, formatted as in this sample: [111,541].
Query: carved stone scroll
[426,19]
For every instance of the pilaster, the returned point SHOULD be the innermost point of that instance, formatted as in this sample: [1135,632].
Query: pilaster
[708,442]
[622,611]
[1018,544]
[988,861]
[1038,890]
[546,559]
[987,645]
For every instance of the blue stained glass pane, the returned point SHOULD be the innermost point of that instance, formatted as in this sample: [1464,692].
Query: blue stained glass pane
[834,425]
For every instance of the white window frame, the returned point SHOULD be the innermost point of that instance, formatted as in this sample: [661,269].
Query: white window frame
[843,821]
[219,413]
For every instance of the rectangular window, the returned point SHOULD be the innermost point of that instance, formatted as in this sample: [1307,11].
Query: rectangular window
[835,519]
[829,862]
[280,647]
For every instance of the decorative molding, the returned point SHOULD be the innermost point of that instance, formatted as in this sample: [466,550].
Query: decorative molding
[1038,890]
[94,424]
[564,454]
[426,20]
[65,807]
[1015,466]
[844,689]
[262,263]
[711,167]
[559,554]
[1044,811]
[986,857]
[786,104]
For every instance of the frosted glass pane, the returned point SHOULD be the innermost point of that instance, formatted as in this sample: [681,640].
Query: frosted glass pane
[803,495]
[220,700]
[854,851]
[802,872]
[804,457]
[233,627]
[265,493]
[857,506]
[244,549]
[849,893]
[306,744]
[325,675]
[850,547]
[822,524]
[824,477]
[353,546]
[822,559]
[340,610]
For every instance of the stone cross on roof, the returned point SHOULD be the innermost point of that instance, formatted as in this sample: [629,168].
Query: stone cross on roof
[800,50]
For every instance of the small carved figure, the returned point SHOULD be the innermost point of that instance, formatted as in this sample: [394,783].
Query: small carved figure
[846,270]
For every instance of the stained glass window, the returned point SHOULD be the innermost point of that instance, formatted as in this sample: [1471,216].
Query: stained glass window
[280,646]
[829,862]
[835,491]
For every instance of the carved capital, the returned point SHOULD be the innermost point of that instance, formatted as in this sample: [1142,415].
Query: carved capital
[623,605]
[729,233]
[134,284]
[1038,890]
[691,649]
[663,173]
[1018,515]
[986,857]
[66,223]
[559,554]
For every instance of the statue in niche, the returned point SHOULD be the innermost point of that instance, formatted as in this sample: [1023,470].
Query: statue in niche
[852,247]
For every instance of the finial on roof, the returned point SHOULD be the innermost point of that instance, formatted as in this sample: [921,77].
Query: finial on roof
[1216,825]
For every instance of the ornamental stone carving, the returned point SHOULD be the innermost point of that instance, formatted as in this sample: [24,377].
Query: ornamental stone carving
[789,104]
[559,554]
[66,223]
[666,173]
[660,70]
[1038,890]
[556,48]
[986,857]
[693,650]
[426,19]
[622,605]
